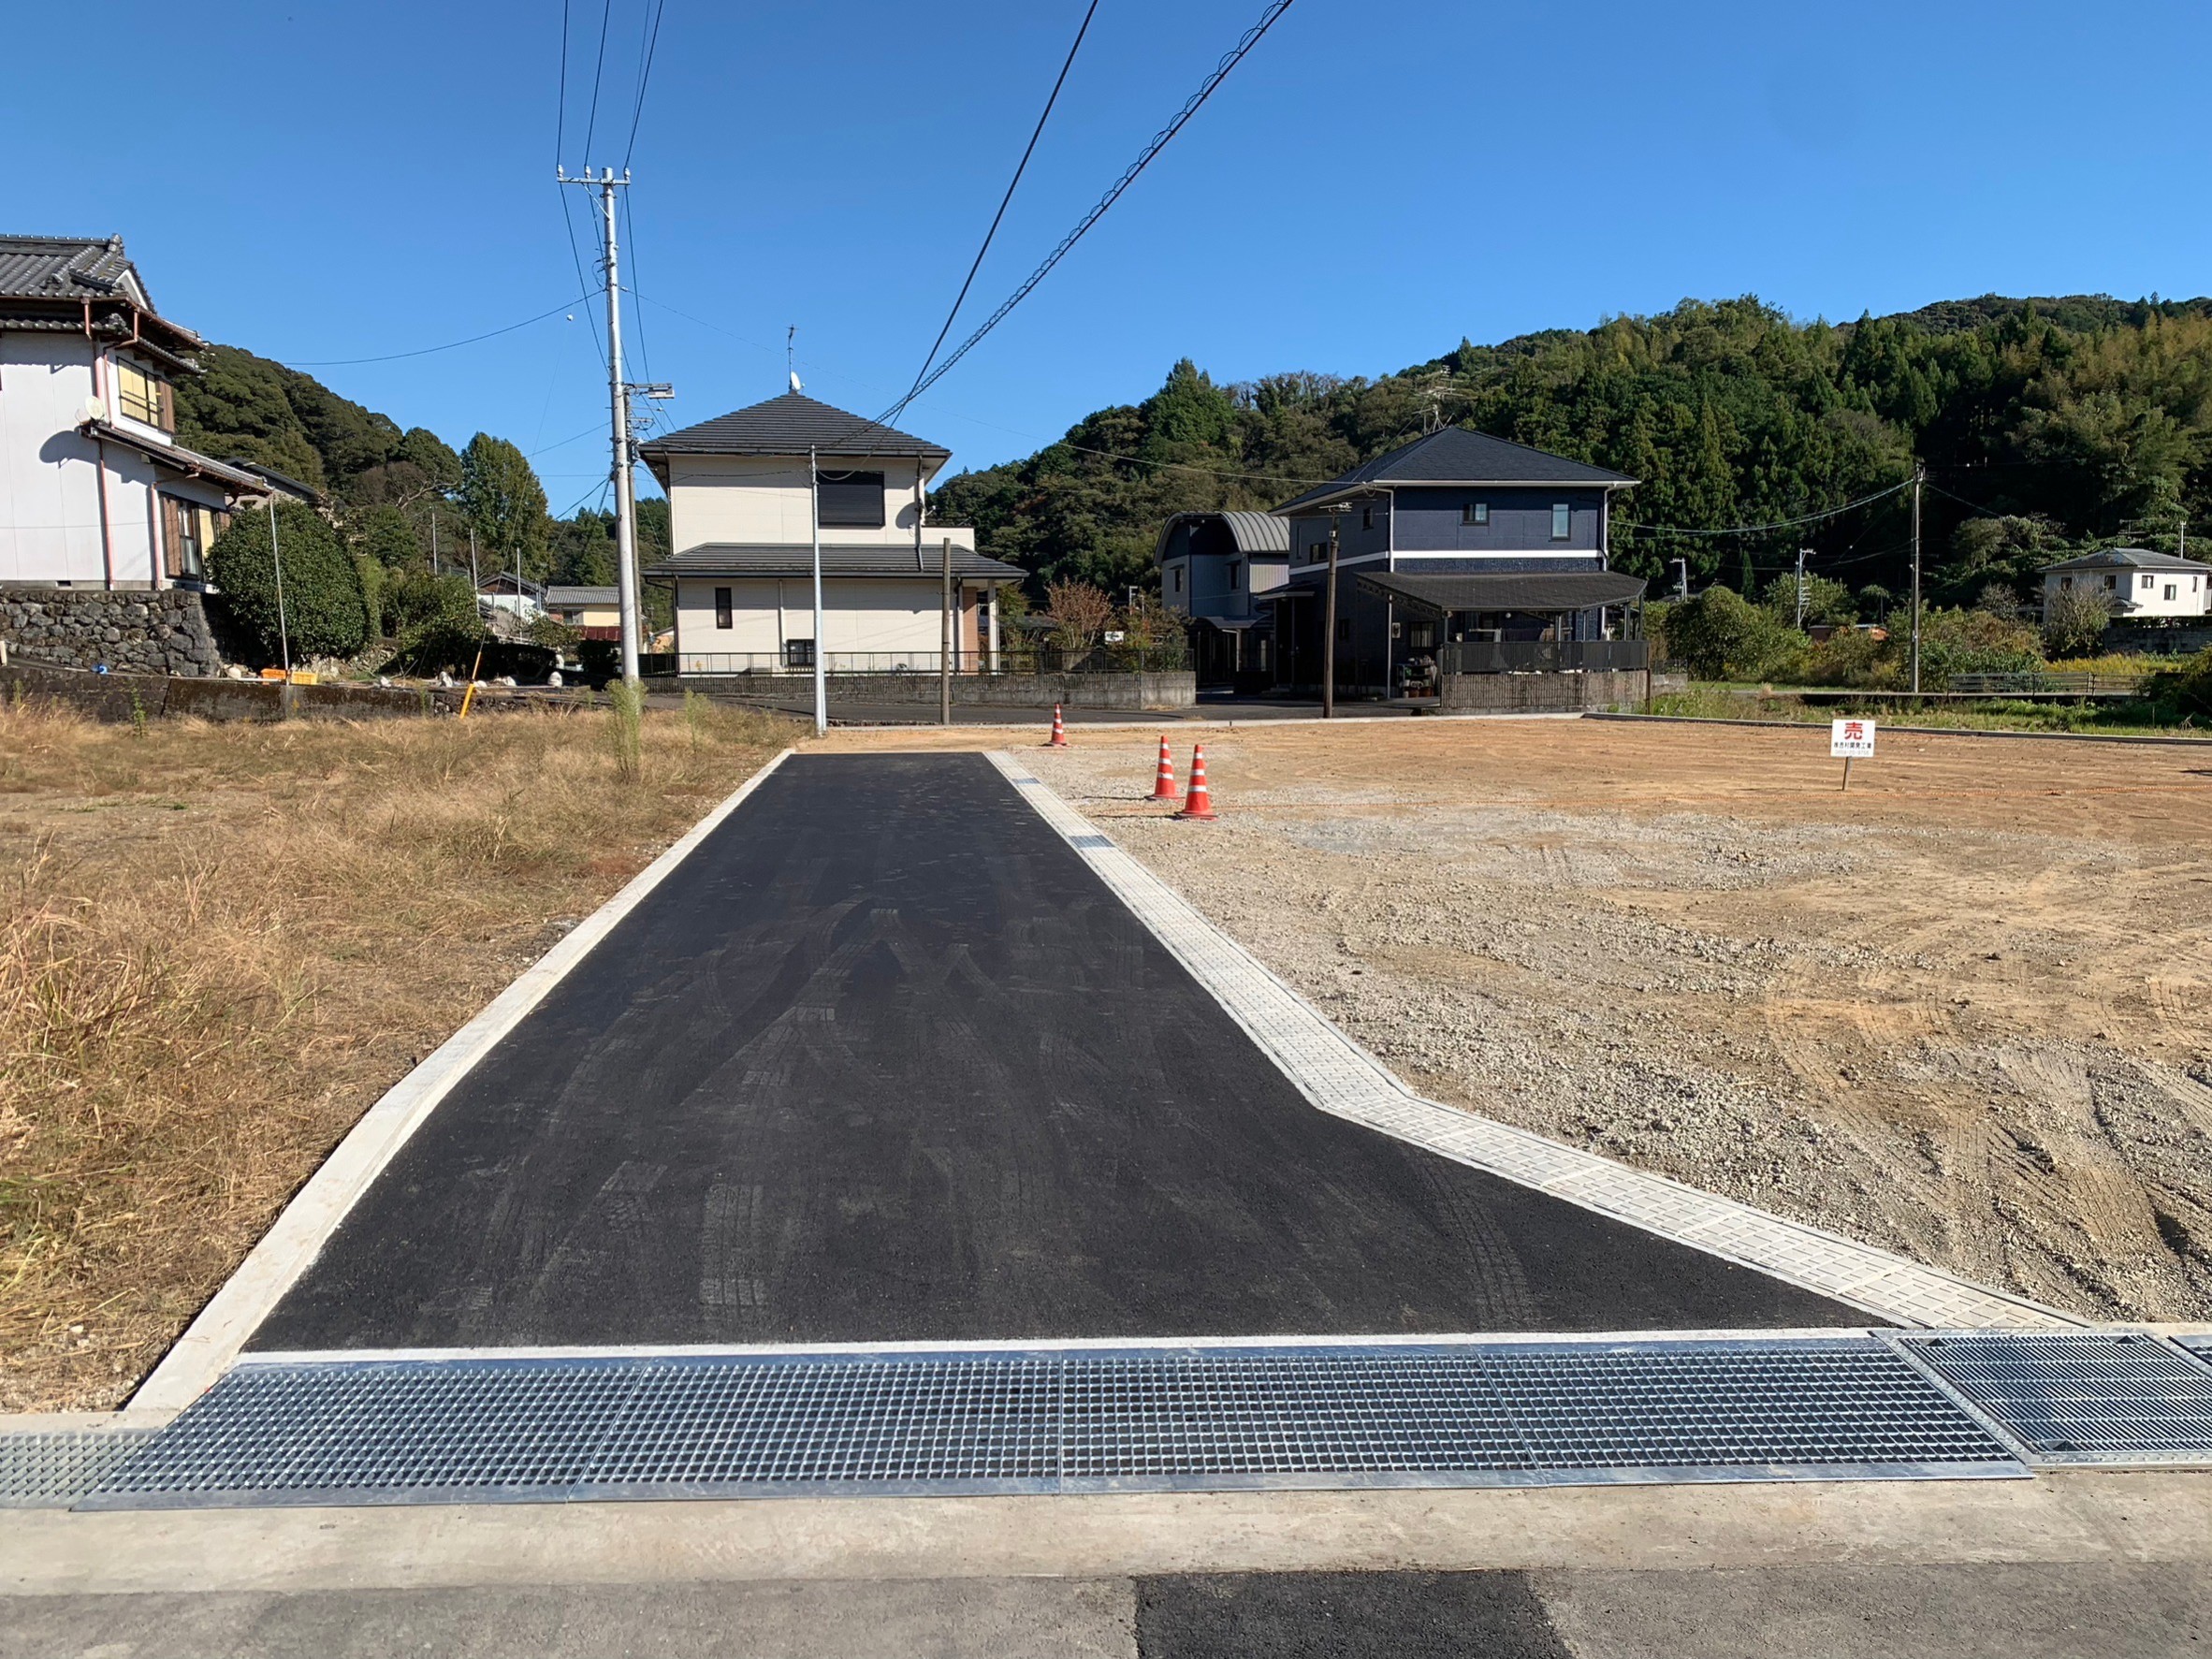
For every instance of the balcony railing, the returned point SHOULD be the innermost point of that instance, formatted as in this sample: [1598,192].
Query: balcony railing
[1543,656]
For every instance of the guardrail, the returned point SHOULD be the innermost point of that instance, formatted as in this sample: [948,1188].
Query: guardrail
[1543,656]
[2044,684]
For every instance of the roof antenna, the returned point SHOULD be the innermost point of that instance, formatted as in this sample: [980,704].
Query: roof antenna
[790,334]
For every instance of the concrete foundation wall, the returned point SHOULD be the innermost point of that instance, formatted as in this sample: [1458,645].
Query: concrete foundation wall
[1550,693]
[137,633]
[990,690]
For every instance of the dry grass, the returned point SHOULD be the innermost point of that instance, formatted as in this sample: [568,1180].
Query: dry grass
[219,944]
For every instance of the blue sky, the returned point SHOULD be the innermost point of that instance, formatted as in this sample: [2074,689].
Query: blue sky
[1375,182]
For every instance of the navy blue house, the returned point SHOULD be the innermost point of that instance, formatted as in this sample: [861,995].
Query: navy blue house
[1457,549]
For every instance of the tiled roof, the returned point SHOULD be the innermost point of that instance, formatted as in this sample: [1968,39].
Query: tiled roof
[70,267]
[792,425]
[581,597]
[2129,558]
[726,558]
[1456,456]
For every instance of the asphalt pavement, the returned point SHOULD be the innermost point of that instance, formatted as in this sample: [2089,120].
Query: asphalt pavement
[884,1061]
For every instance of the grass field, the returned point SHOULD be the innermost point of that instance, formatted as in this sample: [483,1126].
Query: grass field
[220,944]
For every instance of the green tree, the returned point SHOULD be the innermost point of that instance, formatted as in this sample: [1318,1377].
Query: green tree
[502,497]
[1719,634]
[387,534]
[324,611]
[434,621]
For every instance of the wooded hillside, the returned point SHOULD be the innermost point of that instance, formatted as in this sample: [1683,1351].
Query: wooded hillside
[2043,424]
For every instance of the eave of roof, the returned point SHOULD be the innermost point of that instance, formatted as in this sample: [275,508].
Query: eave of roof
[1454,457]
[2129,558]
[175,457]
[850,558]
[1531,591]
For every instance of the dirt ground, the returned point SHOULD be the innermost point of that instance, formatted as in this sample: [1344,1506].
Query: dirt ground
[1961,1011]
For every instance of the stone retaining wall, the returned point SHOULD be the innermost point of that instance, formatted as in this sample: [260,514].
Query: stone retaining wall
[150,696]
[1550,694]
[127,632]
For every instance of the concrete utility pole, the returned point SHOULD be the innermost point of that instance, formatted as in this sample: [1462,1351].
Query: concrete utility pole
[1335,510]
[619,419]
[1682,567]
[821,657]
[1803,554]
[276,561]
[944,657]
[1919,476]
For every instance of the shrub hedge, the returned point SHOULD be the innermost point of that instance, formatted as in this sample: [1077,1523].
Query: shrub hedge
[325,609]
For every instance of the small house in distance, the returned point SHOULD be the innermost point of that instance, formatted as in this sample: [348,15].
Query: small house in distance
[1457,548]
[596,613]
[741,507]
[1214,568]
[2137,583]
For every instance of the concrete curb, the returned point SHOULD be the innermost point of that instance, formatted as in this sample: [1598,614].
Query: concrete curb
[1707,719]
[215,1338]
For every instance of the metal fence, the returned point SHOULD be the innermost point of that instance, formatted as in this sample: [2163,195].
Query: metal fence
[1543,656]
[1009,660]
[2045,683]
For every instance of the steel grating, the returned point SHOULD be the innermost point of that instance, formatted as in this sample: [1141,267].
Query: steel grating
[2085,1397]
[484,1429]
[40,1471]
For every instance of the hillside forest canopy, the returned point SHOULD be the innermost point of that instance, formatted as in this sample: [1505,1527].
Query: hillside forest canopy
[2045,427]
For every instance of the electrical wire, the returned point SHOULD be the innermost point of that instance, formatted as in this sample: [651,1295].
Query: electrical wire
[1160,141]
[644,74]
[1005,201]
[606,14]
[1747,530]
[426,351]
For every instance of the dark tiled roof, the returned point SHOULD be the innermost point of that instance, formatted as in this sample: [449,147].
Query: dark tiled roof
[1570,590]
[581,597]
[2129,558]
[727,559]
[1456,456]
[70,267]
[792,425]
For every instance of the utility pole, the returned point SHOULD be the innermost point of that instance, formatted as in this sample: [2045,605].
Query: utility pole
[276,560]
[944,659]
[1803,554]
[821,657]
[619,420]
[473,578]
[1328,622]
[1681,577]
[1919,476]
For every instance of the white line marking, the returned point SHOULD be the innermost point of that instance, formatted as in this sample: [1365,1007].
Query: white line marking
[1345,1080]
[207,1349]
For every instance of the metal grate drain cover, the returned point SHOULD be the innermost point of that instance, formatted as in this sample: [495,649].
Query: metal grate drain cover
[2082,1397]
[44,1471]
[491,1430]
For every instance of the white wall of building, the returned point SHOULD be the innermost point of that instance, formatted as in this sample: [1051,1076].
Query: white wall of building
[766,500]
[2141,592]
[54,525]
[875,614]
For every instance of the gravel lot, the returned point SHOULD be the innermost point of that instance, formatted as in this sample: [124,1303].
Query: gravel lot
[1960,1011]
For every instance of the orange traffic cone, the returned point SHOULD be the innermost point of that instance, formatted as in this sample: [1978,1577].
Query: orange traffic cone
[1163,785]
[1198,803]
[1059,729]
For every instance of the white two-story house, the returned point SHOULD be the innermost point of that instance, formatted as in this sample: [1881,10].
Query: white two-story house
[741,501]
[2135,583]
[95,489]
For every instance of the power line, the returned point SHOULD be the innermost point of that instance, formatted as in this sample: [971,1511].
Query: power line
[1159,142]
[644,74]
[1746,530]
[560,107]
[426,351]
[1004,201]
[606,14]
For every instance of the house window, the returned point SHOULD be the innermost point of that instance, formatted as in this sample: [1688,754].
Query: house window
[1177,574]
[2146,581]
[798,653]
[721,608]
[1474,512]
[1366,517]
[1420,636]
[145,397]
[2111,581]
[186,529]
[2065,581]
[1235,565]
[852,500]
[1563,521]
[2170,590]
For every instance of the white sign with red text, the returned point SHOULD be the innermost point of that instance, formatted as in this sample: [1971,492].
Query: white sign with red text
[1851,740]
